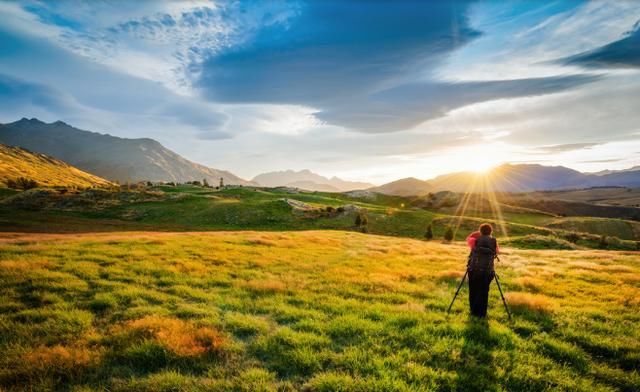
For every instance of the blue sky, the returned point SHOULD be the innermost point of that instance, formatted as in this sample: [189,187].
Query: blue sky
[366,90]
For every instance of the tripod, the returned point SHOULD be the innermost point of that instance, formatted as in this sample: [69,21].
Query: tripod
[504,301]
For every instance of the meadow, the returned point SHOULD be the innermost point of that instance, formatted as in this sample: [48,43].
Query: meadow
[307,310]
[194,208]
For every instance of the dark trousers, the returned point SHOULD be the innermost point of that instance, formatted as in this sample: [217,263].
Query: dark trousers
[479,292]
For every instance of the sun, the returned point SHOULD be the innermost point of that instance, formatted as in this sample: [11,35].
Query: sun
[482,168]
[478,158]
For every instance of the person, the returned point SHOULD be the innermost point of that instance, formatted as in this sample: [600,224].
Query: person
[484,249]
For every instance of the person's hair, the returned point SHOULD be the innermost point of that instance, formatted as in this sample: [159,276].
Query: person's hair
[485,229]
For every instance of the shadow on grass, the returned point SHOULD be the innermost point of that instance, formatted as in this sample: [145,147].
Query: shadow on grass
[477,371]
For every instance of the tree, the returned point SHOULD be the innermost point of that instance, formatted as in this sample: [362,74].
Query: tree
[365,220]
[205,183]
[448,234]
[221,182]
[572,237]
[429,233]
[604,242]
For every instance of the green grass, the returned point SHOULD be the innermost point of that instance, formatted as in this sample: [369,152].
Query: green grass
[193,208]
[534,241]
[307,310]
[623,229]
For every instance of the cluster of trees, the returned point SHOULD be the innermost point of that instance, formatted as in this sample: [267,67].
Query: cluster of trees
[448,233]
[331,210]
[22,183]
[204,183]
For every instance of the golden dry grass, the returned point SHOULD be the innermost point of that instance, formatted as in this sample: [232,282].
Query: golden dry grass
[535,302]
[17,162]
[181,337]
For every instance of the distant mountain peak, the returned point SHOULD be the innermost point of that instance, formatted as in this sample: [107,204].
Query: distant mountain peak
[27,121]
[306,179]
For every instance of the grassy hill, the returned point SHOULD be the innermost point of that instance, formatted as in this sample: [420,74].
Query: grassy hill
[615,196]
[17,162]
[316,311]
[193,208]
[623,229]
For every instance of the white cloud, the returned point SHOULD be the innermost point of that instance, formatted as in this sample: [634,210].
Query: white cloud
[523,50]
[289,120]
[160,41]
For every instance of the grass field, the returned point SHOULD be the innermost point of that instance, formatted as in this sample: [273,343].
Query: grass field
[192,208]
[307,310]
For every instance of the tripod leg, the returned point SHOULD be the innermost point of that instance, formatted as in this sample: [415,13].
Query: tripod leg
[458,290]
[504,301]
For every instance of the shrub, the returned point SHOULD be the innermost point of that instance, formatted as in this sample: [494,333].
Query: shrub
[365,220]
[429,233]
[448,234]
[604,242]
[614,242]
[572,237]
[22,183]
[330,209]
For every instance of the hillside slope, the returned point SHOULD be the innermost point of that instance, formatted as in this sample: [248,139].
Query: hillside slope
[404,187]
[17,162]
[114,158]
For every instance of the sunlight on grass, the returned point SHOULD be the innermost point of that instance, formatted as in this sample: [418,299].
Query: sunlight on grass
[317,310]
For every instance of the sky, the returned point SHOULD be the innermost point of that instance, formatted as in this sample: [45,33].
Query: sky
[364,90]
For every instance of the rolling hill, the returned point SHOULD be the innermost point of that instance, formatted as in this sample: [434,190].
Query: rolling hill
[114,158]
[404,187]
[17,162]
[305,179]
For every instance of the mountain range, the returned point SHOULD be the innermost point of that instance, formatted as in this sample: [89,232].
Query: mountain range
[131,160]
[305,179]
[513,178]
[110,157]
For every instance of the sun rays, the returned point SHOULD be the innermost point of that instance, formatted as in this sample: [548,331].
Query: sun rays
[480,199]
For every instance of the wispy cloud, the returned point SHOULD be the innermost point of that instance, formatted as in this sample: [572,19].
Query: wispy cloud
[565,147]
